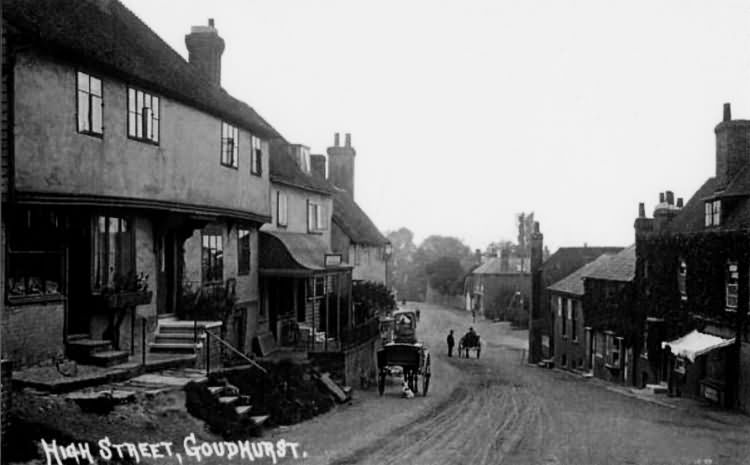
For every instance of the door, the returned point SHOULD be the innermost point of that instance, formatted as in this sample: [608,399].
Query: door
[166,282]
[79,275]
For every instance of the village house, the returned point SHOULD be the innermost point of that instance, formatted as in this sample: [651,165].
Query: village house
[353,234]
[499,286]
[306,289]
[692,275]
[136,187]
[572,341]
[611,322]
[560,264]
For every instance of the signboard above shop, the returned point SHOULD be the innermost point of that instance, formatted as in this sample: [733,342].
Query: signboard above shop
[332,260]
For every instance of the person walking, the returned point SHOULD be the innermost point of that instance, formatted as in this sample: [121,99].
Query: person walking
[451,343]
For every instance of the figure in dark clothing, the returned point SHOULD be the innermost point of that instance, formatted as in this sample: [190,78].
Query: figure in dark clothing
[451,343]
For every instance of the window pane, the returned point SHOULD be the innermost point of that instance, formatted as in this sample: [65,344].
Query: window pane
[149,123]
[139,101]
[131,99]
[156,131]
[83,81]
[155,106]
[131,124]
[83,111]
[96,114]
[96,87]
[138,125]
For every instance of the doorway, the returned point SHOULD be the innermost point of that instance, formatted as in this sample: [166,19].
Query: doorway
[79,275]
[166,282]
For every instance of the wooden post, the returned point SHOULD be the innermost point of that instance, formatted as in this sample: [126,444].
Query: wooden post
[143,341]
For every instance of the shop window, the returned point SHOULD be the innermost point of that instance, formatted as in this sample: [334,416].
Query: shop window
[243,251]
[212,256]
[114,253]
[316,288]
[613,347]
[35,254]
[732,280]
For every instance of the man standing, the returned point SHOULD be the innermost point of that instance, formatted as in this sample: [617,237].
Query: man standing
[451,343]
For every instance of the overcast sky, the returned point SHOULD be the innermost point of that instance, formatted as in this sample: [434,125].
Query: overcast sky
[464,113]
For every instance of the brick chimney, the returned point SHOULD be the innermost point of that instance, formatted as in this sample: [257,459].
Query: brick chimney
[665,210]
[732,147]
[341,164]
[204,49]
[504,260]
[536,319]
[318,166]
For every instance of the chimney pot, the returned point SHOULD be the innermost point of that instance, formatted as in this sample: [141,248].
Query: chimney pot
[679,202]
[670,198]
[661,197]
[348,140]
[641,210]
[336,140]
[727,112]
[211,22]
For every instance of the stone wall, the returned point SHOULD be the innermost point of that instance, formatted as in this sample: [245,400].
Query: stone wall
[33,333]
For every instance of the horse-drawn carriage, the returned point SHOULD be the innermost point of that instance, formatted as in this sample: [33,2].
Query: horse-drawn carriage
[469,342]
[405,353]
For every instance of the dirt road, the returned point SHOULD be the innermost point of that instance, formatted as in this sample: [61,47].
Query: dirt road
[504,411]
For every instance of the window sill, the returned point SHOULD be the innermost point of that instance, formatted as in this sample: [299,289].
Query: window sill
[731,309]
[35,299]
[259,175]
[145,141]
[317,233]
[236,168]
[98,135]
[612,367]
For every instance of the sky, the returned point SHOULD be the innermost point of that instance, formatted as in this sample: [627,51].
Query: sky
[465,113]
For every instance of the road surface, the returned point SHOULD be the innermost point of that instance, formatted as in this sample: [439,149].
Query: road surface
[498,409]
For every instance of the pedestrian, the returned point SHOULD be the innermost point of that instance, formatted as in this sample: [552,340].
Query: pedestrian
[473,315]
[451,343]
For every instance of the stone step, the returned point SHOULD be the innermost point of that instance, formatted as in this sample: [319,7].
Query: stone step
[82,349]
[178,338]
[260,419]
[243,409]
[228,400]
[225,391]
[78,337]
[660,388]
[174,347]
[109,358]
[186,326]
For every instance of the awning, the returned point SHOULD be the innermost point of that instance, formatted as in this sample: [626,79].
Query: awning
[286,253]
[695,344]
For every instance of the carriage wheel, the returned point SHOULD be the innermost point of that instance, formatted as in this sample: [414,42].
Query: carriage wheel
[416,383]
[425,383]
[381,382]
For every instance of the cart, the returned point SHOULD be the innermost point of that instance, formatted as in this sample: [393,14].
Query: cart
[405,354]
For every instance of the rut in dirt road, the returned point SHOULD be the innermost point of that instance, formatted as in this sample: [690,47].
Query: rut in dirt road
[486,418]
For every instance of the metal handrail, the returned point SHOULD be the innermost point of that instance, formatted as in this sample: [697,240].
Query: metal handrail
[209,335]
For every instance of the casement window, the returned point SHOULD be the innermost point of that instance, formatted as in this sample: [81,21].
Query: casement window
[732,281]
[316,288]
[35,253]
[230,145]
[682,278]
[613,349]
[281,209]
[243,251]
[574,321]
[113,252]
[89,104]
[212,255]
[316,217]
[143,116]
[713,213]
[256,157]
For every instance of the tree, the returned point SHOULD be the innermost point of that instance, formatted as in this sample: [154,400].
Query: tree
[445,275]
[402,259]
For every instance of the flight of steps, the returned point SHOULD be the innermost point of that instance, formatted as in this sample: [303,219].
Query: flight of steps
[222,406]
[87,351]
[177,336]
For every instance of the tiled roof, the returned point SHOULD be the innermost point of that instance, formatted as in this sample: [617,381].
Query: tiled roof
[354,221]
[494,266]
[692,216]
[568,259]
[107,36]
[573,283]
[619,267]
[286,171]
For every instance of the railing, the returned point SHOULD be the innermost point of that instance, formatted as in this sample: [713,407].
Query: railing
[361,333]
[229,346]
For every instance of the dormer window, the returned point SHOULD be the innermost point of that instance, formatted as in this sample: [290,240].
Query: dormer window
[682,279]
[732,280]
[713,212]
